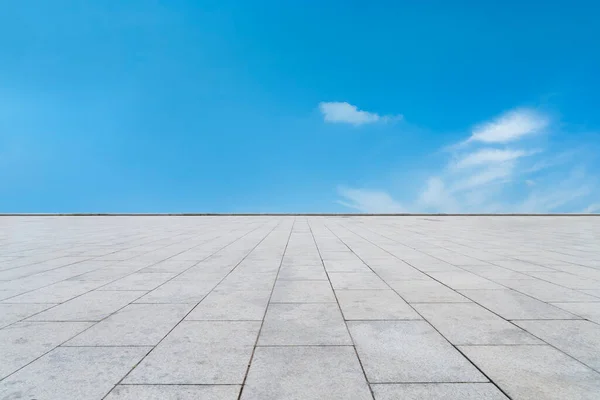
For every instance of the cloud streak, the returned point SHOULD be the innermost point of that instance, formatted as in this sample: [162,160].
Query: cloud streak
[369,201]
[483,175]
[346,113]
[510,126]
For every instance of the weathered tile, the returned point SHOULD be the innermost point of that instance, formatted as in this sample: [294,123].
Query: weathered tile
[546,291]
[248,281]
[521,266]
[589,311]
[174,392]
[514,305]
[23,342]
[356,280]
[304,324]
[221,348]
[72,373]
[304,373]
[469,323]
[134,325]
[11,313]
[437,391]
[408,352]
[374,304]
[178,292]
[56,293]
[579,339]
[92,306]
[302,292]
[495,273]
[426,292]
[431,265]
[139,281]
[302,273]
[347,265]
[567,280]
[170,266]
[232,305]
[535,372]
[464,280]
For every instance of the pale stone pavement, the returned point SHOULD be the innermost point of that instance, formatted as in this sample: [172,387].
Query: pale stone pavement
[284,307]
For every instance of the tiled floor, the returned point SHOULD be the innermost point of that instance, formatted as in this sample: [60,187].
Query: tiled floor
[284,307]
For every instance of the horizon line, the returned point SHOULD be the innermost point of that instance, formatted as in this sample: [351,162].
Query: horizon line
[192,214]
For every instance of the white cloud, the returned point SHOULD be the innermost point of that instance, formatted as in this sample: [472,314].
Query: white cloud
[592,209]
[486,176]
[369,201]
[510,126]
[550,201]
[488,156]
[437,197]
[342,112]
[479,177]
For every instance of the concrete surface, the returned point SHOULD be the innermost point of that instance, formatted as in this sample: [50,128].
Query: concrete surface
[299,307]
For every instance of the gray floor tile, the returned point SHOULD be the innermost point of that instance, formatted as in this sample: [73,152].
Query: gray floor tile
[464,280]
[402,273]
[409,352]
[428,291]
[139,281]
[591,292]
[248,281]
[23,342]
[348,265]
[546,291]
[589,311]
[302,273]
[514,305]
[302,292]
[579,339]
[178,260]
[56,293]
[10,313]
[432,265]
[199,352]
[567,280]
[134,325]
[356,280]
[469,323]
[437,391]
[495,273]
[174,392]
[374,304]
[232,305]
[304,373]
[92,306]
[535,372]
[170,266]
[72,373]
[521,266]
[304,324]
[179,292]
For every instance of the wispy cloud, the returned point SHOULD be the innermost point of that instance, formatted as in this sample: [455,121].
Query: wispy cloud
[592,209]
[510,126]
[481,175]
[346,113]
[369,201]
[487,156]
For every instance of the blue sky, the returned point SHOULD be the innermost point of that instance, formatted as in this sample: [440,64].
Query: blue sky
[313,106]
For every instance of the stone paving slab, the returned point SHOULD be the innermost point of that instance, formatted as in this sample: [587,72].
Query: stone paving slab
[437,391]
[305,373]
[174,392]
[299,307]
